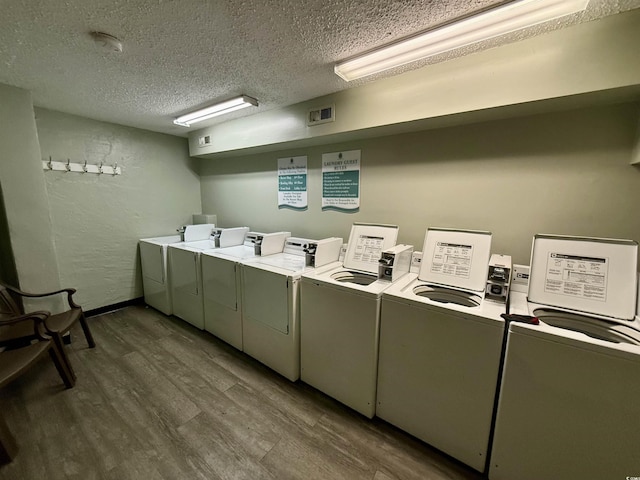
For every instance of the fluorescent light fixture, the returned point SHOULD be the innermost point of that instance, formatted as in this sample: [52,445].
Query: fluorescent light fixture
[492,23]
[243,101]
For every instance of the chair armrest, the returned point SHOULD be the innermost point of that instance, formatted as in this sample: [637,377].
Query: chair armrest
[38,318]
[68,291]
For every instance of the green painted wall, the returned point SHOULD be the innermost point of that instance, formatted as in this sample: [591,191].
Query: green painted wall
[563,172]
[97,220]
[26,203]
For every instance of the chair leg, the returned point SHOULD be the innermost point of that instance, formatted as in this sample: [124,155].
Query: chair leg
[58,343]
[62,366]
[87,332]
[8,445]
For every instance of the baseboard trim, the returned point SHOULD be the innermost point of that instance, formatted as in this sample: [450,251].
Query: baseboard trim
[115,306]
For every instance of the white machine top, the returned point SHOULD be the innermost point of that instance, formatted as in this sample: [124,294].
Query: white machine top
[366,243]
[238,252]
[292,257]
[271,243]
[286,261]
[590,275]
[162,240]
[609,337]
[456,258]
[199,245]
[404,290]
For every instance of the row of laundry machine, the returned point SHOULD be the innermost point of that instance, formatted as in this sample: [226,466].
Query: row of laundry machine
[546,387]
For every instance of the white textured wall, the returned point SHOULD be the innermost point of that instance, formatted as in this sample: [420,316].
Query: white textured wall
[564,173]
[24,195]
[97,220]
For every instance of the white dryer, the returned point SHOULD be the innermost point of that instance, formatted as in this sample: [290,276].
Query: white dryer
[185,270]
[440,347]
[569,401]
[155,272]
[270,301]
[222,299]
[340,317]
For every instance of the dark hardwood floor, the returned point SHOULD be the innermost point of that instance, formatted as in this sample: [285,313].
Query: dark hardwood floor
[159,399]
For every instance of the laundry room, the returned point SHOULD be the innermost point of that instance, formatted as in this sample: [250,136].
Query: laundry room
[531,146]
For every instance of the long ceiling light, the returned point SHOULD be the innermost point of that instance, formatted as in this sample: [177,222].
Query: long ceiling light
[492,23]
[243,101]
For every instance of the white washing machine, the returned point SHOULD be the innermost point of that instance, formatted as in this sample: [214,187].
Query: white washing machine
[570,397]
[155,273]
[340,317]
[270,301]
[222,299]
[185,271]
[440,347]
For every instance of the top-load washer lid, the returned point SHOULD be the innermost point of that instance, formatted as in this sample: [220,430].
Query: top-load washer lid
[366,243]
[456,258]
[593,327]
[590,275]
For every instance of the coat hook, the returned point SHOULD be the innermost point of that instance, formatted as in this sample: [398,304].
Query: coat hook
[84,167]
[49,164]
[115,167]
[100,169]
[68,165]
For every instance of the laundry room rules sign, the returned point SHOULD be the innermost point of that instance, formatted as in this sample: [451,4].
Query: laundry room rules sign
[341,181]
[292,183]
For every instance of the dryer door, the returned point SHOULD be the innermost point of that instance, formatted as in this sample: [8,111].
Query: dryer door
[152,258]
[265,297]
[219,281]
[184,271]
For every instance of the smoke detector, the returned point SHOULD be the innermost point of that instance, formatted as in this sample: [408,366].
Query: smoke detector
[107,41]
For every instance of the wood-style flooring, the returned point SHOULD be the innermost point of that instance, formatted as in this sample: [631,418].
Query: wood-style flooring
[159,399]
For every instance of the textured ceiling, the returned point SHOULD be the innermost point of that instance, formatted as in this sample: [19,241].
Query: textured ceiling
[183,54]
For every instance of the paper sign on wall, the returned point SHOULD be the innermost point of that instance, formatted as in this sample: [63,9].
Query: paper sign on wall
[341,181]
[292,183]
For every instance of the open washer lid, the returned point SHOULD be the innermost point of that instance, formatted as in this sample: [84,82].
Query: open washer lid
[456,258]
[591,275]
[366,243]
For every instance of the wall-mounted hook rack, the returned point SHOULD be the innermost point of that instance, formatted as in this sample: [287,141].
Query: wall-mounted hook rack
[84,167]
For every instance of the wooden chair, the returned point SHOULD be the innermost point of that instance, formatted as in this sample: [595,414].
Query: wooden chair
[14,362]
[11,301]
